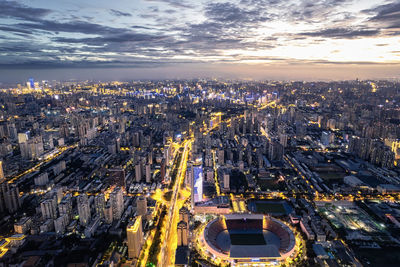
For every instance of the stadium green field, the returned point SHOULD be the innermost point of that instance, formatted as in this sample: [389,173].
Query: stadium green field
[247,239]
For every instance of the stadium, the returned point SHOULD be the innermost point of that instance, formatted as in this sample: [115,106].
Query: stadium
[248,238]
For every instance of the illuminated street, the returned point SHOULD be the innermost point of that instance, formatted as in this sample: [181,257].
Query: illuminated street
[168,248]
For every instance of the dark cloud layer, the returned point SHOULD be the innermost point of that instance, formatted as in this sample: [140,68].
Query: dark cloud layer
[120,13]
[163,31]
[14,29]
[70,26]
[14,9]
[387,15]
[173,3]
[342,33]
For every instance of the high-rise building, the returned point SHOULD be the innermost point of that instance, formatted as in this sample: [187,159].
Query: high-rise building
[23,225]
[163,169]
[64,131]
[112,149]
[189,175]
[167,154]
[117,203]
[60,223]
[138,172]
[12,200]
[148,173]
[22,137]
[184,215]
[275,151]
[2,178]
[59,167]
[283,139]
[83,209]
[31,83]
[135,237]
[9,198]
[59,193]
[249,157]
[221,158]
[182,234]
[226,181]
[42,179]
[32,148]
[325,138]
[197,184]
[65,206]
[99,204]
[108,213]
[49,208]
[141,206]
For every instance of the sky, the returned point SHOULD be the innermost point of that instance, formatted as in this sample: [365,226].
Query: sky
[238,39]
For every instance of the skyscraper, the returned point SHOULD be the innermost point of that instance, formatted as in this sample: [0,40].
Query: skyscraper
[99,204]
[9,198]
[22,137]
[65,206]
[135,236]
[325,138]
[184,215]
[49,209]
[83,209]
[226,181]
[138,172]
[182,234]
[221,158]
[141,205]
[197,186]
[108,213]
[148,173]
[31,83]
[117,203]
[2,178]
[167,153]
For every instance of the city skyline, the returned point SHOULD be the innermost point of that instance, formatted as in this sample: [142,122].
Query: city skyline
[231,133]
[200,172]
[247,39]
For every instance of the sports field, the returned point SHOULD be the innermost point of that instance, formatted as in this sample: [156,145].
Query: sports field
[270,207]
[247,239]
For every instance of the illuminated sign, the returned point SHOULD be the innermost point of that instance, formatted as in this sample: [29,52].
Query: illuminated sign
[198,183]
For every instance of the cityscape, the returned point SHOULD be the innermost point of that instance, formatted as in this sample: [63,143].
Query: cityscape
[199,133]
[200,172]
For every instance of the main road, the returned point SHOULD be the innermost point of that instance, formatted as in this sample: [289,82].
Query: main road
[168,248]
[61,150]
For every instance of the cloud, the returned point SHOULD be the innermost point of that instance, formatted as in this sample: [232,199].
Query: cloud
[386,12]
[228,13]
[173,3]
[226,26]
[387,16]
[317,11]
[117,38]
[13,9]
[209,31]
[342,33]
[71,26]
[264,3]
[120,13]
[14,29]
[17,47]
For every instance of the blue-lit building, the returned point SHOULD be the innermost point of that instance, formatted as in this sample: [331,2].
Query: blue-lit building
[32,82]
[198,183]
